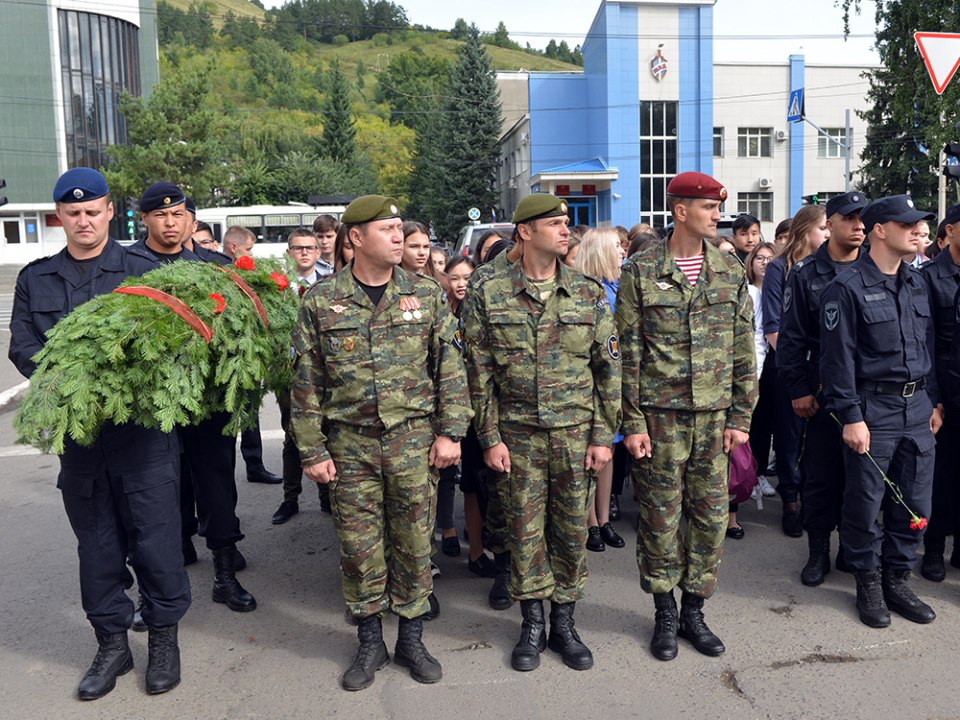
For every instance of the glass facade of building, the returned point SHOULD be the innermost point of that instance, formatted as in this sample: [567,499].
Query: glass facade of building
[99,58]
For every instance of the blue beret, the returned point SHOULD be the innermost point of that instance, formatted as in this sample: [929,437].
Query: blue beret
[898,208]
[191,205]
[79,185]
[160,195]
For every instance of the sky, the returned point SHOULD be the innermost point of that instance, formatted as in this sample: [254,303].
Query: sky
[753,30]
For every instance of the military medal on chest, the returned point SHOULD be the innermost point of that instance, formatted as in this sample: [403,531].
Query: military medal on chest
[411,308]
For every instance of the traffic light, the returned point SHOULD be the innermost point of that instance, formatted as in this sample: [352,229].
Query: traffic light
[952,150]
[129,212]
[3,184]
[810,200]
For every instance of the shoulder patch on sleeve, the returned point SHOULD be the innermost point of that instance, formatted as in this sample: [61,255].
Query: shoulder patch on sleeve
[613,347]
[602,303]
[787,298]
[831,314]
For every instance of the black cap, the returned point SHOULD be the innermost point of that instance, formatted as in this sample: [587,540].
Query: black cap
[953,214]
[898,208]
[160,195]
[846,203]
[191,206]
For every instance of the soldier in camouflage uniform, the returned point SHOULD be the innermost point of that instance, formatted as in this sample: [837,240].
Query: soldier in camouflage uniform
[545,384]
[375,356]
[689,388]
[496,520]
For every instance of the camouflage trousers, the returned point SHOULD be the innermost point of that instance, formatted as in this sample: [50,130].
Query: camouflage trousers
[384,502]
[688,473]
[546,498]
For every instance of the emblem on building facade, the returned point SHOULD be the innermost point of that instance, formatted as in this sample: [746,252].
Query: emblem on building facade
[658,66]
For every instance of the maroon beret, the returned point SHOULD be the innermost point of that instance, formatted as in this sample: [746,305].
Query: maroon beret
[696,185]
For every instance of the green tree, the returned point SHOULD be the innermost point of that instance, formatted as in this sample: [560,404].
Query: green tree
[338,142]
[409,83]
[469,146]
[907,122]
[551,51]
[171,137]
[460,30]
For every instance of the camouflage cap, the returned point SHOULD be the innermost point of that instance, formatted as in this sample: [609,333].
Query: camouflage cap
[539,205]
[370,207]
[696,185]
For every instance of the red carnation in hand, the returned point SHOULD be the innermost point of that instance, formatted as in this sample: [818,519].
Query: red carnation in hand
[218,302]
[918,524]
[245,262]
[280,279]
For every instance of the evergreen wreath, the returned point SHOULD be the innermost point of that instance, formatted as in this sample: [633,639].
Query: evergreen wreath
[167,348]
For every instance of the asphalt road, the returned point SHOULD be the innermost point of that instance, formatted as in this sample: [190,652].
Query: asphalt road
[793,651]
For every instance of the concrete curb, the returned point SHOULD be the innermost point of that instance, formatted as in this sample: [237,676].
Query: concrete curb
[8,396]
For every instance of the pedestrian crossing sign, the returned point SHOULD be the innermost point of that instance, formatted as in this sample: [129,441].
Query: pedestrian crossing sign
[795,108]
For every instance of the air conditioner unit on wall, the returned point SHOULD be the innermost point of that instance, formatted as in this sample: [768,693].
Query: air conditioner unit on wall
[765,183]
[782,135]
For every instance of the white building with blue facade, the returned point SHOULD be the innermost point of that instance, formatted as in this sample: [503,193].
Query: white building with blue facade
[651,102]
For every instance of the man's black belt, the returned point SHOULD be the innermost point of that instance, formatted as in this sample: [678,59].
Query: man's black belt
[889,388]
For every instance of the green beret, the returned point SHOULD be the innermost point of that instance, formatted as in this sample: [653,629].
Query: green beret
[370,207]
[539,205]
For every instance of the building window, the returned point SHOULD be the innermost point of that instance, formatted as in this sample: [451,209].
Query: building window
[99,58]
[829,149]
[718,142]
[754,142]
[758,204]
[658,159]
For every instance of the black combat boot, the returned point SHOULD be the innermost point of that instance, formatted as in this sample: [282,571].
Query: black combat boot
[411,653]
[371,656]
[932,566]
[818,564]
[902,600]
[499,594]
[694,628]
[113,659]
[533,637]
[226,589]
[666,623]
[163,665]
[564,638]
[873,611]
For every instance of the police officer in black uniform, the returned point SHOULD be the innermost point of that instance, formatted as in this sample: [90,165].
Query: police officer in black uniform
[121,494]
[210,455]
[942,275]
[878,379]
[798,360]
[203,253]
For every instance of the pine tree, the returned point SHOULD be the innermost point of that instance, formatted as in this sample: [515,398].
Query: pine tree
[469,150]
[339,140]
[908,123]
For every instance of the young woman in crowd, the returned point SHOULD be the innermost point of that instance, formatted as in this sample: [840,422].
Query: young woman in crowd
[599,256]
[342,249]
[416,247]
[761,424]
[483,246]
[807,232]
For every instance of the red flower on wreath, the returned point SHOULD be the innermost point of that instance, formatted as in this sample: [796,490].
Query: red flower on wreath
[918,524]
[218,302]
[280,279]
[245,262]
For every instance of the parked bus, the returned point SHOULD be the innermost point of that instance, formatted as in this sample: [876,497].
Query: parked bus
[270,223]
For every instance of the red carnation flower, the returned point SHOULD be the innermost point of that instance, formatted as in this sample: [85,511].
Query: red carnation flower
[245,262]
[918,524]
[218,302]
[280,279]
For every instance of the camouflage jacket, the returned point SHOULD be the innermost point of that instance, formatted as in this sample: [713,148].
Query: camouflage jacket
[686,347]
[375,367]
[546,364]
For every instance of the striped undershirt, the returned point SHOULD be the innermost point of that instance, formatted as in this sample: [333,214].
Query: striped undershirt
[691,267]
